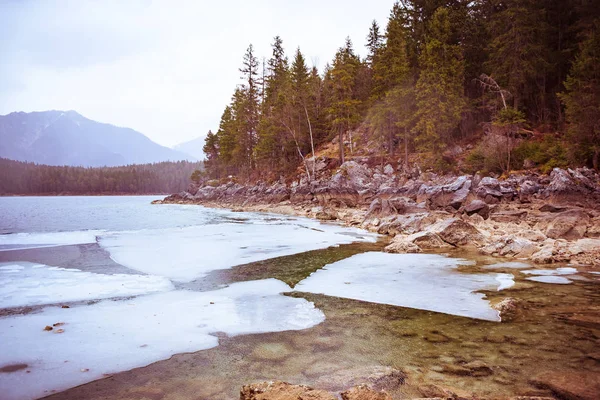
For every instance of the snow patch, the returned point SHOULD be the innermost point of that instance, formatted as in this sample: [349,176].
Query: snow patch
[551,272]
[422,281]
[185,254]
[19,241]
[27,284]
[113,336]
[561,280]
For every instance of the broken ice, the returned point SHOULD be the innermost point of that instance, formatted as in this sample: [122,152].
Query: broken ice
[421,281]
[140,331]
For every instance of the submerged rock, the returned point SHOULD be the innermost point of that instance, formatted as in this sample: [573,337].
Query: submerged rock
[570,385]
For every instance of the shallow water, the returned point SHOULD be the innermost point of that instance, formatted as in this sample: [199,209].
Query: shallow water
[558,329]
[552,334]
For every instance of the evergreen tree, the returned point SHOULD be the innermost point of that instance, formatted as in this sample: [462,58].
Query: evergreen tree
[246,107]
[517,51]
[440,99]
[343,108]
[374,42]
[582,99]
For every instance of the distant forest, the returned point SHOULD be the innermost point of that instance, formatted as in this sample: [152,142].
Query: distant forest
[24,178]
[504,75]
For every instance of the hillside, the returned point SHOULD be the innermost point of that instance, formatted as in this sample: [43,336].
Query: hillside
[22,178]
[192,147]
[68,138]
[445,86]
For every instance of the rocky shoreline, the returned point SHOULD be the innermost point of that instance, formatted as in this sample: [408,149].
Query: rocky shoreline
[551,218]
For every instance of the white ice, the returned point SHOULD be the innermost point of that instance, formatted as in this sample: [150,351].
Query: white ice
[550,272]
[18,241]
[34,284]
[561,280]
[421,281]
[113,336]
[185,254]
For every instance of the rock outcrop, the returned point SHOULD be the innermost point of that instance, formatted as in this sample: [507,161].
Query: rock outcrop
[278,390]
[532,216]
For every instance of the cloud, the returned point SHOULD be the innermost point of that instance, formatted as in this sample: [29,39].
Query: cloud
[164,68]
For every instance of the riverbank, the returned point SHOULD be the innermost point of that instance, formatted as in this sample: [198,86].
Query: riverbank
[542,218]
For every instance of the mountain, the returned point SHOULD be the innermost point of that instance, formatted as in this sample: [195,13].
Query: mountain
[68,138]
[193,148]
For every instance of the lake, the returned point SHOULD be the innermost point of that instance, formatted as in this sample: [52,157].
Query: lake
[141,299]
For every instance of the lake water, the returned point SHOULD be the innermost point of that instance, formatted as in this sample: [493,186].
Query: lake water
[123,285]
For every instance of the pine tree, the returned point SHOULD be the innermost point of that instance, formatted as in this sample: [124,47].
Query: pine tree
[374,42]
[343,107]
[247,115]
[391,66]
[517,51]
[440,99]
[582,99]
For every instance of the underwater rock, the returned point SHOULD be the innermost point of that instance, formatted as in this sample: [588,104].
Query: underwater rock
[570,385]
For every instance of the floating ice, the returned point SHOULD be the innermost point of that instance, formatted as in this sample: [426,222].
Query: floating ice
[26,284]
[561,280]
[506,281]
[19,241]
[550,272]
[422,281]
[185,254]
[510,264]
[113,336]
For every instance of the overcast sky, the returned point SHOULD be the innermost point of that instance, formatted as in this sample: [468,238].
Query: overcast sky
[164,68]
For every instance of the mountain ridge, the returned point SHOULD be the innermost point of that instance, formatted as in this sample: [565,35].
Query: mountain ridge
[58,137]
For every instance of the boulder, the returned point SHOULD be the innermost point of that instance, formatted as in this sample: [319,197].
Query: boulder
[278,390]
[427,240]
[478,207]
[388,169]
[488,189]
[402,246]
[571,184]
[451,195]
[570,385]
[457,232]
[510,246]
[363,392]
[570,224]
[508,309]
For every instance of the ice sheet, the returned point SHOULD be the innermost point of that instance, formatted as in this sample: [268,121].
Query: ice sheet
[26,284]
[561,280]
[113,336]
[18,241]
[185,254]
[422,281]
[550,272]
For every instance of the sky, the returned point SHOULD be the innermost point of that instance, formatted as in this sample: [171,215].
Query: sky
[164,68]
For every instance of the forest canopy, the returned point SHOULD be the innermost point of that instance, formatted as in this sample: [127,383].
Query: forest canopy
[18,177]
[507,76]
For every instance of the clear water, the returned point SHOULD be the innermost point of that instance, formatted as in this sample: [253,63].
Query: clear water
[144,282]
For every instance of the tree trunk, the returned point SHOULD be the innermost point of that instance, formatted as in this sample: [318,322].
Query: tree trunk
[312,143]
[596,159]
[341,139]
[406,150]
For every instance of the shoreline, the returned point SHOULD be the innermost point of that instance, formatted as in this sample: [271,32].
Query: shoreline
[545,220]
